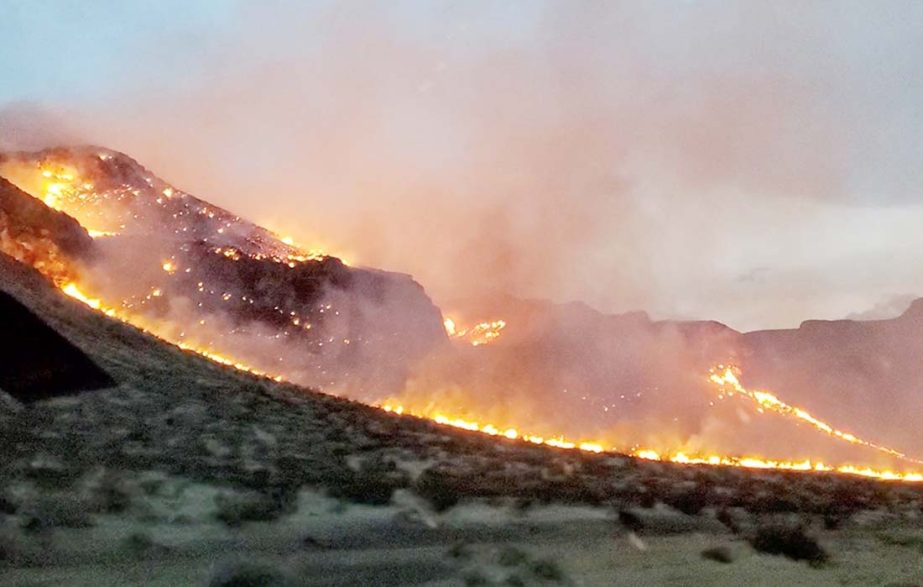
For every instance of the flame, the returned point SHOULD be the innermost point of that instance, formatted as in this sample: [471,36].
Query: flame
[726,380]
[480,334]
[101,233]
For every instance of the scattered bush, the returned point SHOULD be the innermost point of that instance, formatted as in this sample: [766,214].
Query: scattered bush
[249,574]
[790,541]
[689,501]
[474,578]
[140,544]
[433,487]
[254,506]
[721,554]
[110,494]
[7,506]
[460,550]
[368,488]
[548,570]
[511,557]
[631,521]
[727,518]
[56,511]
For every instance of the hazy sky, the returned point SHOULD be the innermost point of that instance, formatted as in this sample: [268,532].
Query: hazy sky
[758,163]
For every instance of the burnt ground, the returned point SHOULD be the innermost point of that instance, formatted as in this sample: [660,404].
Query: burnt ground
[247,457]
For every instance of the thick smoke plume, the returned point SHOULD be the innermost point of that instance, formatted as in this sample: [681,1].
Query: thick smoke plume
[692,159]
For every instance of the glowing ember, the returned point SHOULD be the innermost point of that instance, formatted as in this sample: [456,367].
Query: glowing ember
[74,291]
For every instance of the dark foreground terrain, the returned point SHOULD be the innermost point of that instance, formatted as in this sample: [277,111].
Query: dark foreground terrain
[188,473]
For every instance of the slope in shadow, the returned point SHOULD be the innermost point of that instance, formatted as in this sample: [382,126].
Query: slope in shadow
[36,362]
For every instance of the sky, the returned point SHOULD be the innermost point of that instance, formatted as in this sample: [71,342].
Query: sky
[753,163]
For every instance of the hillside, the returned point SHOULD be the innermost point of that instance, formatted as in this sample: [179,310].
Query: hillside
[196,273]
[98,483]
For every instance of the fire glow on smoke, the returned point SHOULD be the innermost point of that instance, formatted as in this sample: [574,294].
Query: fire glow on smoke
[62,189]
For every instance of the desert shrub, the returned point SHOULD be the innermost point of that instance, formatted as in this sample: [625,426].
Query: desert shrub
[789,541]
[460,550]
[433,487]
[630,521]
[110,494]
[7,505]
[249,574]
[140,544]
[55,511]
[7,550]
[725,516]
[721,554]
[906,540]
[511,557]
[689,501]
[475,578]
[368,487]
[50,473]
[254,506]
[547,569]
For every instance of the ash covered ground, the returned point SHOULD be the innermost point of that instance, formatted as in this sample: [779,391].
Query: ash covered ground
[187,472]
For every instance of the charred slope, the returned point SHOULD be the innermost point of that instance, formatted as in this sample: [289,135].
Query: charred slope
[200,274]
[38,363]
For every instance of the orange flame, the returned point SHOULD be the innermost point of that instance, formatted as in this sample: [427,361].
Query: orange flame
[477,335]
[726,379]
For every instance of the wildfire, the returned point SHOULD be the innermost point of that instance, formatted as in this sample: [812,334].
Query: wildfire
[61,188]
[726,379]
[477,335]
[679,457]
[444,418]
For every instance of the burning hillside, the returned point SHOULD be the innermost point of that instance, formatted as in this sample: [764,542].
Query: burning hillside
[109,233]
[199,276]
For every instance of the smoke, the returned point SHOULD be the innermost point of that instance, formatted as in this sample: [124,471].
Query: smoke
[26,126]
[614,153]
